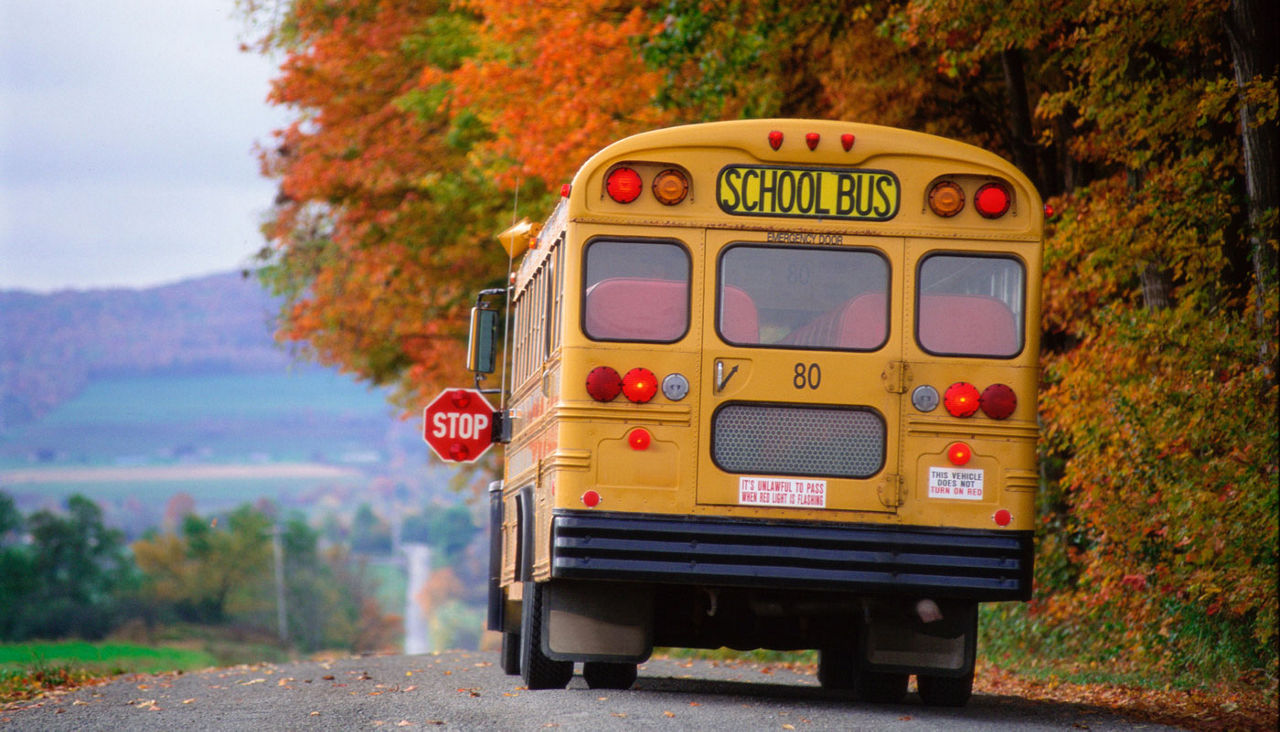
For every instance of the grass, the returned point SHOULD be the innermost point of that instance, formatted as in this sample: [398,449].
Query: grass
[28,669]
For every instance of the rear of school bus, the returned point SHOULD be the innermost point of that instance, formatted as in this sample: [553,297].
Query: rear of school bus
[793,406]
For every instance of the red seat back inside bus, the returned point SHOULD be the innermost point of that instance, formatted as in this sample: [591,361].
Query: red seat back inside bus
[633,309]
[967,324]
[739,321]
[859,324]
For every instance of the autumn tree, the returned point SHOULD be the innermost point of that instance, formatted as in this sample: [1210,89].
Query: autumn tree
[1146,124]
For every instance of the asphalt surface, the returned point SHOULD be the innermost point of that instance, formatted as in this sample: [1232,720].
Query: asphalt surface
[467,690]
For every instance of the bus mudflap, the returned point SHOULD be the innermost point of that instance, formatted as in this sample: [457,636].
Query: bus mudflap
[597,621]
[891,640]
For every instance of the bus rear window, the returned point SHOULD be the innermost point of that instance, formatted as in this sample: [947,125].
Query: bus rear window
[636,290]
[970,305]
[795,297]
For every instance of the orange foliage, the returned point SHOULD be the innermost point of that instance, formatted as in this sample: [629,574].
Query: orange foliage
[555,81]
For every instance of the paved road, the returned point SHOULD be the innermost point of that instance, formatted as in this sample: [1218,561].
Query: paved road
[467,690]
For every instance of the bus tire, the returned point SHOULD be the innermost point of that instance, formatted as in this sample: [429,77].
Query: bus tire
[879,687]
[538,671]
[510,658]
[603,675]
[836,668]
[945,691]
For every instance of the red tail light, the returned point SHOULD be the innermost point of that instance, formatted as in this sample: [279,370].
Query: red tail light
[639,439]
[1002,517]
[591,499]
[624,185]
[603,384]
[961,399]
[639,385]
[993,200]
[959,454]
[998,401]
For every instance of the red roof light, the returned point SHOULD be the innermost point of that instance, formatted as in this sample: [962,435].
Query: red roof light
[775,139]
[993,200]
[624,185]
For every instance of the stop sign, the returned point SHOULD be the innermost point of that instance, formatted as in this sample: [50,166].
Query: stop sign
[458,425]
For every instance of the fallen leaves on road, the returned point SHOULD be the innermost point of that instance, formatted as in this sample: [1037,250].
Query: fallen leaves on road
[1196,709]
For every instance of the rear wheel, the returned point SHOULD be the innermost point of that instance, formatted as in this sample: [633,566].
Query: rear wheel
[881,688]
[945,691]
[511,654]
[538,671]
[602,675]
[836,668]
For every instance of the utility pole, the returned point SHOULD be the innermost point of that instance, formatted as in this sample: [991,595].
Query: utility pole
[282,621]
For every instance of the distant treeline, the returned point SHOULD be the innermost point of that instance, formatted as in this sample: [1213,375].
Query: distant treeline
[66,574]
[54,344]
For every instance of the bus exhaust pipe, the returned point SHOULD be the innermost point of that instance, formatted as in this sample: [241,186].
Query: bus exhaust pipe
[928,611]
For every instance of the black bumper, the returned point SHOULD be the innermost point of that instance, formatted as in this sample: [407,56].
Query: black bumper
[864,559]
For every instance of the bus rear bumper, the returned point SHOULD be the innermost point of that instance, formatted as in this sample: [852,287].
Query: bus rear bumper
[863,559]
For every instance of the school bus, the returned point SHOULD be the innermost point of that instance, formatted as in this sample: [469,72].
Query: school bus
[769,384]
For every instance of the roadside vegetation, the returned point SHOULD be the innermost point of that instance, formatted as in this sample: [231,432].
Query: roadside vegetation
[202,591]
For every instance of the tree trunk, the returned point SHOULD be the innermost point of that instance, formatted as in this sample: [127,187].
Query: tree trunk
[1253,27]
[1021,134]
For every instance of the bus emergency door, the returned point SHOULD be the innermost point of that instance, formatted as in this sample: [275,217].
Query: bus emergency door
[802,379]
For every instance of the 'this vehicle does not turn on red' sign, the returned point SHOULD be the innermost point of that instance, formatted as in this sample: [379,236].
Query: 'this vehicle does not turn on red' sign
[458,425]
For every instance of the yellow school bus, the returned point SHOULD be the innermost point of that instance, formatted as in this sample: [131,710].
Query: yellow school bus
[768,384]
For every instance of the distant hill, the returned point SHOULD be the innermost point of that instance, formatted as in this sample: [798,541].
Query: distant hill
[52,345]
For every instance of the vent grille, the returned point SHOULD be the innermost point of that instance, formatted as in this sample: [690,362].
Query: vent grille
[835,442]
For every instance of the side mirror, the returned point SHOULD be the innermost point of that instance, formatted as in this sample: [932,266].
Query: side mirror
[482,347]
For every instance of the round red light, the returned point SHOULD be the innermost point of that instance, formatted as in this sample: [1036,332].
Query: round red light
[959,454]
[639,439]
[459,452]
[992,200]
[961,399]
[603,384]
[639,385]
[591,499]
[998,401]
[624,185]
[1002,517]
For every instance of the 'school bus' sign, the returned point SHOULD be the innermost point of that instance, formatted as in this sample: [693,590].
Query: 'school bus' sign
[822,193]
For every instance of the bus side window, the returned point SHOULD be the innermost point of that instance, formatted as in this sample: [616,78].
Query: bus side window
[970,305]
[636,290]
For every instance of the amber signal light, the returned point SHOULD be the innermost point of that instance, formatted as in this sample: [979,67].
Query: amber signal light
[946,199]
[670,187]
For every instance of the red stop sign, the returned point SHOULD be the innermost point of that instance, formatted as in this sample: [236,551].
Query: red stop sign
[458,425]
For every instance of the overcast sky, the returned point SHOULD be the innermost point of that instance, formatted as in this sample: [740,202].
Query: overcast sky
[126,142]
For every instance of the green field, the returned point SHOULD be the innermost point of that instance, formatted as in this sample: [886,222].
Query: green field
[306,415]
[100,658]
